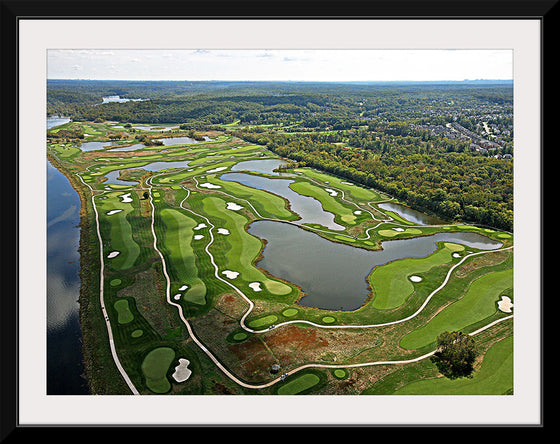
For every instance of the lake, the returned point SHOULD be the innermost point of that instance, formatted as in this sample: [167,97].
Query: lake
[309,209]
[334,275]
[64,337]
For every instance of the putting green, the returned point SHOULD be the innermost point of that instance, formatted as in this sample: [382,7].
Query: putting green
[154,367]
[124,314]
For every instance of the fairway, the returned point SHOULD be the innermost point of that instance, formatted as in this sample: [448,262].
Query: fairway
[183,279]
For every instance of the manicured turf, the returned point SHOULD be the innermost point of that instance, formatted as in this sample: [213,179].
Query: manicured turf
[391,284]
[242,248]
[495,376]
[299,384]
[120,231]
[330,203]
[478,303]
[154,367]
[178,237]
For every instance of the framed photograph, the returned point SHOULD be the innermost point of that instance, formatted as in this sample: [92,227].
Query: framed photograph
[249,214]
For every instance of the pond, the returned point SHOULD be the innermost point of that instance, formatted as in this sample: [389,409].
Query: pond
[334,275]
[112,176]
[411,215]
[119,99]
[265,166]
[181,140]
[94,146]
[53,121]
[310,210]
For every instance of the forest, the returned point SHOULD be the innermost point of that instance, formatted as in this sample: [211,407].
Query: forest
[395,137]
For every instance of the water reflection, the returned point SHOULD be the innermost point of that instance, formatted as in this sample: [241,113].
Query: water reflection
[411,215]
[310,210]
[334,275]
[64,348]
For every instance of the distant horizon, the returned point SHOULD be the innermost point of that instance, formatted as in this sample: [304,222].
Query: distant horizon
[287,81]
[301,65]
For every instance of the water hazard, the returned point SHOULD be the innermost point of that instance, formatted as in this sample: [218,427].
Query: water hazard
[333,275]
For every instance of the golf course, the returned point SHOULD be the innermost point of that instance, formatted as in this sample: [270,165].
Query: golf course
[214,266]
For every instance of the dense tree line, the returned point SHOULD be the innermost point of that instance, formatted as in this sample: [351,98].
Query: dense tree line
[371,133]
[454,185]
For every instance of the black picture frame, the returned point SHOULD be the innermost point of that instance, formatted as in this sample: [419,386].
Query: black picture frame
[14,11]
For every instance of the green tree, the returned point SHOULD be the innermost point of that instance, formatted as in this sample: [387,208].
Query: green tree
[455,354]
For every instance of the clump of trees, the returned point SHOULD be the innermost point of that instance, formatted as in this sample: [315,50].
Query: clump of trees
[455,354]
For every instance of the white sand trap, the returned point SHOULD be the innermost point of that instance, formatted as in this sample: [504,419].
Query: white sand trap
[183,287]
[456,255]
[398,229]
[256,286]
[358,212]
[230,274]
[209,185]
[198,236]
[347,183]
[177,296]
[415,278]
[113,212]
[331,192]
[505,304]
[200,226]
[126,197]
[112,254]
[182,372]
[223,231]
[215,170]
[233,206]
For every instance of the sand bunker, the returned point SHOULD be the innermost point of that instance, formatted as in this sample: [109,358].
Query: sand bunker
[182,372]
[183,287]
[223,231]
[233,206]
[113,212]
[198,236]
[209,185]
[112,254]
[358,212]
[230,274]
[415,278]
[177,296]
[200,226]
[331,192]
[256,286]
[398,229]
[215,170]
[126,197]
[505,304]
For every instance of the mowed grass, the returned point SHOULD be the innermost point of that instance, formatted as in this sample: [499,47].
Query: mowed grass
[178,237]
[331,204]
[495,376]
[268,205]
[120,231]
[241,249]
[478,303]
[391,284]
[356,191]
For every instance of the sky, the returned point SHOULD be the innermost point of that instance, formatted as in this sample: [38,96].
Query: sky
[291,65]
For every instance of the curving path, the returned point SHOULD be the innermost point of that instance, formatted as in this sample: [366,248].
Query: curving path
[250,303]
